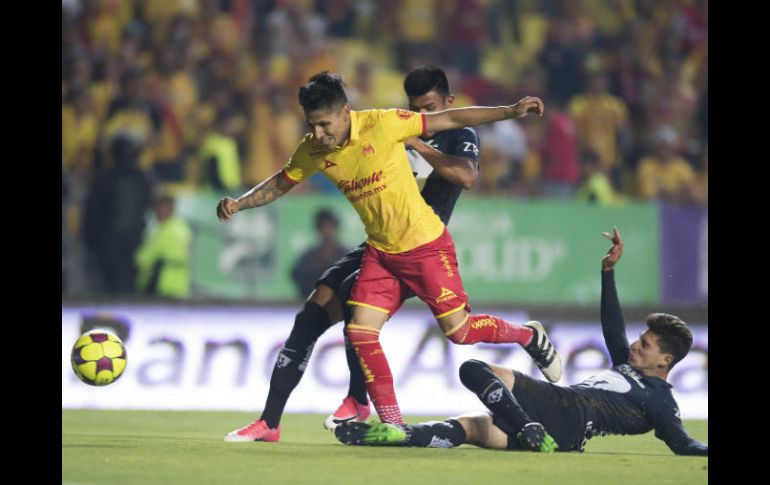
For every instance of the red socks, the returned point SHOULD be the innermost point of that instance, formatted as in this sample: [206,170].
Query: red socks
[377,376]
[489,329]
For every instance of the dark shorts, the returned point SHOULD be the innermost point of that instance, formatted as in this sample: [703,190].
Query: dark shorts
[555,407]
[344,267]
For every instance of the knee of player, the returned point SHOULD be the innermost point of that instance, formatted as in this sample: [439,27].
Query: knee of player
[458,339]
[470,369]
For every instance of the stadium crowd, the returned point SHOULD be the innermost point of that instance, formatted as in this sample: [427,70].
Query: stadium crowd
[162,96]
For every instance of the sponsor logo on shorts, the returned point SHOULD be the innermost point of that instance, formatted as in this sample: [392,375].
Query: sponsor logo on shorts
[445,263]
[445,295]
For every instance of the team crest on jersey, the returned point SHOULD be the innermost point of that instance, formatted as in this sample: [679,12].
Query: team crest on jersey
[329,163]
[404,114]
[368,150]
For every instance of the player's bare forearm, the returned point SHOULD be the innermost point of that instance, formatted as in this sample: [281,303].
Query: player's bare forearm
[461,171]
[265,193]
[478,115]
[262,194]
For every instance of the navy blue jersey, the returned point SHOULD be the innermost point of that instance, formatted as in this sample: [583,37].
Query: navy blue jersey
[621,400]
[438,192]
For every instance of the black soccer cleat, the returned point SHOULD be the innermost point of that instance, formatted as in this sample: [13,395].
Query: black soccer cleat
[534,438]
[352,432]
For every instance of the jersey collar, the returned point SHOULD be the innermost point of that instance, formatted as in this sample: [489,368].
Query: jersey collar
[354,125]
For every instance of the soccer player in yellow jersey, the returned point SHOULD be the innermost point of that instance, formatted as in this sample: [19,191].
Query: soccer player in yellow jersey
[408,247]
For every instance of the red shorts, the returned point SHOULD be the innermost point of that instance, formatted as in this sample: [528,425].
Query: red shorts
[428,271]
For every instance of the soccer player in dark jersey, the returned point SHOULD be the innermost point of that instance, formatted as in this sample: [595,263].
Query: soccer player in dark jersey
[408,248]
[632,397]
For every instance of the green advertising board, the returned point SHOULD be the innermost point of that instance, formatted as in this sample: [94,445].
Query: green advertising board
[509,251]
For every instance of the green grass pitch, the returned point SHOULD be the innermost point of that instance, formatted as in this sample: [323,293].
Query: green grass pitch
[171,447]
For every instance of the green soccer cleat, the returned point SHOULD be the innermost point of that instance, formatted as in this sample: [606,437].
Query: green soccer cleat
[534,438]
[364,434]
[385,434]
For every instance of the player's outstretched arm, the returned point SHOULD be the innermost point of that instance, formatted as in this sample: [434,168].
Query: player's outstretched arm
[613,325]
[478,115]
[461,171]
[262,194]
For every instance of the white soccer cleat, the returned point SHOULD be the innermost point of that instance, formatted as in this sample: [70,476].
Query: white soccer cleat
[543,352]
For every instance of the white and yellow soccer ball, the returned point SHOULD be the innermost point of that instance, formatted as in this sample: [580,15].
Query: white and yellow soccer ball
[98,357]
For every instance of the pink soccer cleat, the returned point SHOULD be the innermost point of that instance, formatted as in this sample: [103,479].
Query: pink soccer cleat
[349,411]
[256,431]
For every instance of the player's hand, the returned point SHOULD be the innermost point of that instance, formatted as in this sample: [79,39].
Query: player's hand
[529,104]
[317,147]
[413,142]
[615,252]
[226,208]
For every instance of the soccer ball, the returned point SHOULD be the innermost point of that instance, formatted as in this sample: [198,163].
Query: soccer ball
[98,358]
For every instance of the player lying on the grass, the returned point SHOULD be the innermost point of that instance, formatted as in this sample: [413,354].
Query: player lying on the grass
[632,397]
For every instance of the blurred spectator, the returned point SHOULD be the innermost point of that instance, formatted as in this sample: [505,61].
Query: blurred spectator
[175,95]
[601,120]
[315,260]
[563,58]
[465,32]
[597,187]
[561,174]
[340,15]
[115,209]
[416,26]
[664,175]
[133,115]
[293,27]
[273,131]
[219,159]
[672,101]
[501,159]
[79,132]
[163,260]
[699,189]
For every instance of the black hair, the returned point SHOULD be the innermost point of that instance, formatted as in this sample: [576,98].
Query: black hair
[674,337]
[426,78]
[323,91]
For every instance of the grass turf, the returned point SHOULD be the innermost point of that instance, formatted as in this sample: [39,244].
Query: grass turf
[149,447]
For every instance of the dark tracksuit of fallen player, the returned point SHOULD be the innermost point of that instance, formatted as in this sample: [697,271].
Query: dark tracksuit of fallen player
[619,400]
[312,322]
